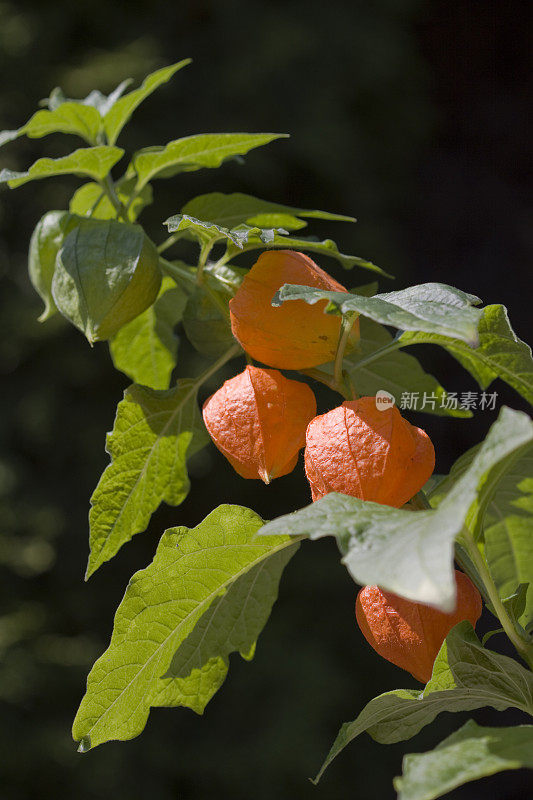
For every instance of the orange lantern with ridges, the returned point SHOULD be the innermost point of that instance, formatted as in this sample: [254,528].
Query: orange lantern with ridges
[370,453]
[295,335]
[258,420]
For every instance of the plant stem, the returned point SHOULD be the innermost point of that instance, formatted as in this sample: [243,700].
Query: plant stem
[346,328]
[168,242]
[472,562]
[525,649]
[327,380]
[230,352]
[377,354]
[109,188]
[202,261]
[178,273]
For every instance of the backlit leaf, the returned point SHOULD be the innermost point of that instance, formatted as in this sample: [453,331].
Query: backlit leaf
[220,562]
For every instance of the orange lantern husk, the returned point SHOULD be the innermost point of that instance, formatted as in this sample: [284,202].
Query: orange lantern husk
[366,452]
[295,335]
[411,634]
[258,420]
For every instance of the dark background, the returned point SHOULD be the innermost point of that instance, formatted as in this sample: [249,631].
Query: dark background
[409,114]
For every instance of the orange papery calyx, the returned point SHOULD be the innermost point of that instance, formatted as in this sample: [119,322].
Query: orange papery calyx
[369,453]
[258,420]
[295,335]
[411,634]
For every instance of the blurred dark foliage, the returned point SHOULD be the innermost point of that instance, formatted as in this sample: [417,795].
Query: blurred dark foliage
[409,114]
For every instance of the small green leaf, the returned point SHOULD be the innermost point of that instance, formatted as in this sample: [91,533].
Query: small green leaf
[155,623]
[146,348]
[121,110]
[411,554]
[195,152]
[231,210]
[470,753]
[430,307]
[106,274]
[155,432]
[501,354]
[90,200]
[93,162]
[70,117]
[208,232]
[465,677]
[46,241]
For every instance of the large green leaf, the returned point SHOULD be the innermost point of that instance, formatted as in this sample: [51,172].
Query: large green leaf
[68,117]
[155,432]
[506,525]
[231,210]
[429,307]
[465,676]
[395,372]
[46,241]
[470,753]
[93,162]
[195,152]
[500,354]
[155,623]
[411,554]
[145,349]
[122,109]
[91,200]
[106,274]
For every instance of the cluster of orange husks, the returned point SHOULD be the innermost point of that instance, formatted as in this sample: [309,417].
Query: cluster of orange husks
[260,420]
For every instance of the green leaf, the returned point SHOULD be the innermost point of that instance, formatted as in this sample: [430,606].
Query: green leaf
[470,753]
[146,348]
[91,200]
[120,112]
[231,210]
[106,274]
[507,534]
[68,117]
[465,677]
[206,317]
[395,372]
[93,162]
[155,623]
[195,152]
[501,354]
[325,248]
[209,233]
[232,623]
[430,307]
[46,241]
[411,554]
[96,99]
[154,434]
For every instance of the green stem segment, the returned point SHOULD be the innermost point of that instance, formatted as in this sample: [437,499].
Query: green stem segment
[524,648]
[346,329]
[109,188]
[227,356]
[179,274]
[468,557]
[327,380]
